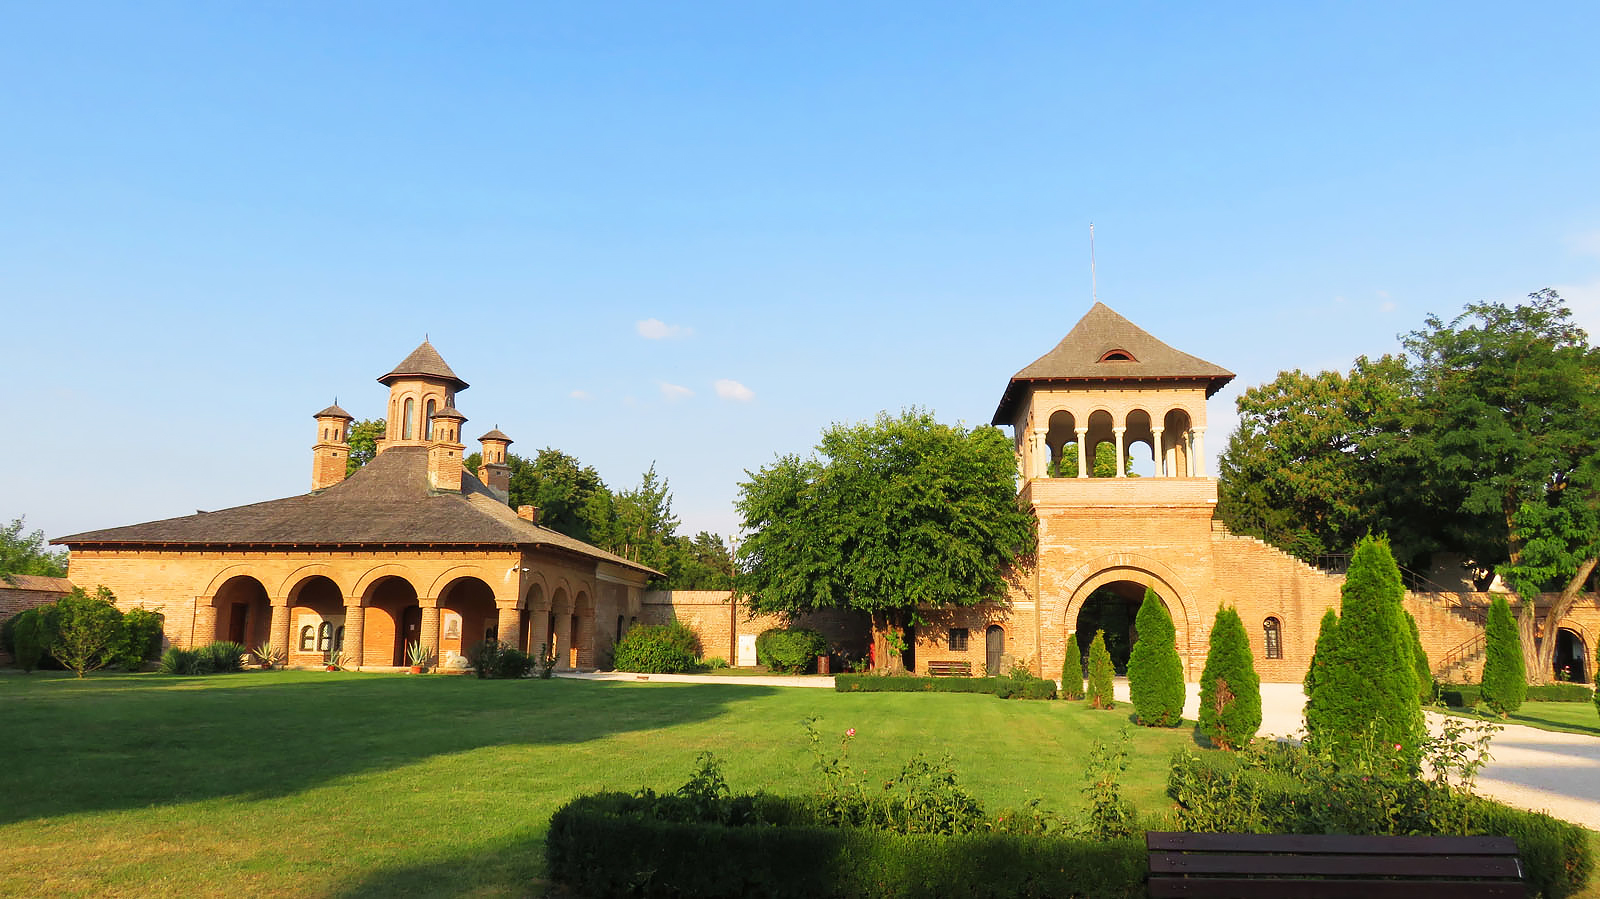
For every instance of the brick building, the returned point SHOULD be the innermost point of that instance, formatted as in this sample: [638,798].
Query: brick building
[412,547]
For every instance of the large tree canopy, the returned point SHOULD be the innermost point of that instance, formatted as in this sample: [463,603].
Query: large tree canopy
[25,553]
[1483,440]
[887,517]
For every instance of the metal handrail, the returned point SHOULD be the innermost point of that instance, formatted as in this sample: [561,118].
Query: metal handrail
[1463,652]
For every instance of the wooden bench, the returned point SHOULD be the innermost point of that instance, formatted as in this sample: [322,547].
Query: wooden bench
[1331,865]
[950,669]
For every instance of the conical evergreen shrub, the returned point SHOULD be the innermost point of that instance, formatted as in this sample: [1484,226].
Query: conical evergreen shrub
[1101,672]
[1505,682]
[1230,689]
[1322,656]
[1155,673]
[1364,699]
[1072,671]
[1419,662]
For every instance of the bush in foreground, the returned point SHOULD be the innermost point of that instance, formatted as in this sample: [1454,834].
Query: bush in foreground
[1155,673]
[1101,673]
[792,650]
[657,649]
[1230,689]
[1023,684]
[1072,671]
[1505,682]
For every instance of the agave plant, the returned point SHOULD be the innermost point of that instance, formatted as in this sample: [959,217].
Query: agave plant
[418,654]
[335,660]
[270,656]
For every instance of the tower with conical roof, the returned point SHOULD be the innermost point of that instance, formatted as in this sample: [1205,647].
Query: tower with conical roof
[332,450]
[419,387]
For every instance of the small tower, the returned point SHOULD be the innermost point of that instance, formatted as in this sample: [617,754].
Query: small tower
[495,473]
[332,450]
[419,387]
[444,451]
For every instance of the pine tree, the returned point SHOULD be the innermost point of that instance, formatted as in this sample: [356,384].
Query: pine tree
[1364,698]
[1100,673]
[1505,682]
[1230,689]
[1327,635]
[1419,660]
[1072,671]
[1155,673]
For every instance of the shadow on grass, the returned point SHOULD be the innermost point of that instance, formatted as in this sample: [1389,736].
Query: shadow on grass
[139,740]
[513,867]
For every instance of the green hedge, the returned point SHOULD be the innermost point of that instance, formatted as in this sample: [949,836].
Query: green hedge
[1465,696]
[791,649]
[877,683]
[610,844]
[1217,793]
[657,649]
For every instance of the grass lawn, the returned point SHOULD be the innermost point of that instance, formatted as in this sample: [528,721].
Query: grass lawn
[318,784]
[1569,717]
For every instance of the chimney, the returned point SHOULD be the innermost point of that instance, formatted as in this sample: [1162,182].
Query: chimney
[444,451]
[332,451]
[495,472]
[529,514]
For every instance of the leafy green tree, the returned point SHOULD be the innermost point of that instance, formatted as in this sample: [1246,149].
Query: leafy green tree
[1365,696]
[1100,692]
[1106,610]
[887,517]
[1155,673]
[30,639]
[1308,466]
[363,440]
[1505,683]
[1105,462]
[1230,689]
[88,630]
[1322,656]
[1072,671]
[27,554]
[644,522]
[1419,663]
[1508,415]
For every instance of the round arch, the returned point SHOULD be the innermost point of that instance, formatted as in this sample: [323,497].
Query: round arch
[1141,570]
[459,572]
[243,569]
[316,569]
[1574,652]
[364,584]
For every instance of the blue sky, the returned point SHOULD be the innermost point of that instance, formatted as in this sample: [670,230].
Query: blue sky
[217,217]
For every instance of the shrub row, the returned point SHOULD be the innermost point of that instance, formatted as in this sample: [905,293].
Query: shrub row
[124,639]
[877,683]
[493,659]
[1021,684]
[1465,696]
[213,658]
[793,649]
[657,649]
[1217,793]
[614,844]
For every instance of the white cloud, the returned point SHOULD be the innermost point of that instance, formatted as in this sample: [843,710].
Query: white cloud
[730,389]
[674,392]
[1386,307]
[581,395]
[656,329]
[1383,294]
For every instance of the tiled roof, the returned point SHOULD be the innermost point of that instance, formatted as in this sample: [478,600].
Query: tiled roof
[424,362]
[1104,346]
[334,411]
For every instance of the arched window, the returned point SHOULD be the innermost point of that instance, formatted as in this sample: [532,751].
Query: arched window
[338,638]
[325,637]
[429,432]
[405,424]
[1273,632]
[308,638]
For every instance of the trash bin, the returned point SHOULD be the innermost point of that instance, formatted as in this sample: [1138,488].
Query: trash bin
[822,664]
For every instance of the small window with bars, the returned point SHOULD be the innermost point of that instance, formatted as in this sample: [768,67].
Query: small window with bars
[958,639]
[1273,632]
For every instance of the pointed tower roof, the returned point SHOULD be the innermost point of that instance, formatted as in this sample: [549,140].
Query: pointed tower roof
[1104,346]
[334,411]
[424,362]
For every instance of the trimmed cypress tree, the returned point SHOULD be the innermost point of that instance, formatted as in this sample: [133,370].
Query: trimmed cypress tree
[1155,673]
[1072,671]
[1505,682]
[1419,661]
[1364,699]
[1230,689]
[1327,635]
[1101,672]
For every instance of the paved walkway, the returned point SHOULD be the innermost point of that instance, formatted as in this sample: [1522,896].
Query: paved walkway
[1542,770]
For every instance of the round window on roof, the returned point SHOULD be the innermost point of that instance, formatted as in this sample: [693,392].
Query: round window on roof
[1117,355]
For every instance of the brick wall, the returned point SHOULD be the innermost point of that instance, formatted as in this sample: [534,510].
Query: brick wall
[719,620]
[30,591]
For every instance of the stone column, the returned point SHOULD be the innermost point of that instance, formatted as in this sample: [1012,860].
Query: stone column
[1083,461]
[430,629]
[564,640]
[205,622]
[584,640]
[1122,464]
[1159,453]
[1041,455]
[541,632]
[355,629]
[1199,464]
[510,624]
[278,635]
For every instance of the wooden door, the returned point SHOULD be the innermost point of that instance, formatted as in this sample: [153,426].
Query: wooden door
[994,647]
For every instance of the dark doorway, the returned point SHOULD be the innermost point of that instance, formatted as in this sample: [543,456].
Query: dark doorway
[994,647]
[1112,609]
[908,657]
[1571,658]
[239,623]
[410,631]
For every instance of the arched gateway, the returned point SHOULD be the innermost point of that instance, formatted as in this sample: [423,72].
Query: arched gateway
[1110,383]
[412,549]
